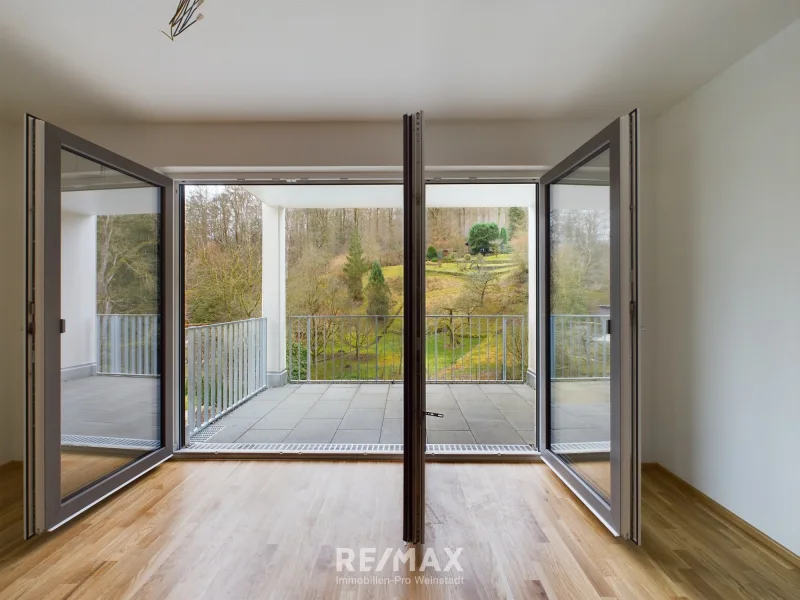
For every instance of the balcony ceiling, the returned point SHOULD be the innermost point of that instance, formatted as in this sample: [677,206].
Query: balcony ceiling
[370,59]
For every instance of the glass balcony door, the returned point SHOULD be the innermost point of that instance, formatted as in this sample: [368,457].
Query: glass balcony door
[101,380]
[587,364]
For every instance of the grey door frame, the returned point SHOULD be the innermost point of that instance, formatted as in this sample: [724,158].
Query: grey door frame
[414,406]
[45,508]
[621,514]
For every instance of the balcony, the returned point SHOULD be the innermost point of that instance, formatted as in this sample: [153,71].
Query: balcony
[345,383]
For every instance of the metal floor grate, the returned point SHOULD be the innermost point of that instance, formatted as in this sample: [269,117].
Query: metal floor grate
[581,447]
[207,433]
[97,441]
[283,448]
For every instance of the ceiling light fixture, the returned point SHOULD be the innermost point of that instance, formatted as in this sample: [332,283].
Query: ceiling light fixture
[185,16]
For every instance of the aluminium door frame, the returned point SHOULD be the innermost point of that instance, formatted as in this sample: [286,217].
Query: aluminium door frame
[45,507]
[414,401]
[620,138]
[480,178]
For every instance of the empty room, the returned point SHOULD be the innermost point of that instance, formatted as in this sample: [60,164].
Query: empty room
[308,300]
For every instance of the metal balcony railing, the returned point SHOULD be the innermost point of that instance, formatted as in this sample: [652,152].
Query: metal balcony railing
[226,365]
[127,345]
[582,348]
[459,348]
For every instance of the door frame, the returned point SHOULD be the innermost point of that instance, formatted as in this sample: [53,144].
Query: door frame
[45,508]
[621,513]
[414,405]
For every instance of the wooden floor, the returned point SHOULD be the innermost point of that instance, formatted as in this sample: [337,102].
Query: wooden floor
[263,530]
[80,468]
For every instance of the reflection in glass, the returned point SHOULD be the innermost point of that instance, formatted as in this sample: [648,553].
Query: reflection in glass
[580,308]
[110,304]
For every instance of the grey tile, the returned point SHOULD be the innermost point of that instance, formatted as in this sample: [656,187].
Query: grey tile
[588,410]
[521,388]
[374,388]
[395,393]
[495,388]
[467,392]
[231,431]
[437,388]
[357,436]
[509,402]
[363,418]
[256,408]
[450,437]
[281,418]
[300,401]
[561,419]
[263,436]
[583,434]
[394,410]
[528,436]
[333,409]
[339,393]
[494,432]
[392,431]
[313,388]
[319,431]
[453,421]
[603,423]
[479,410]
[520,419]
[369,401]
[441,401]
[277,393]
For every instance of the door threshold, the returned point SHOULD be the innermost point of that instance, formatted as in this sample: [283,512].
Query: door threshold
[371,452]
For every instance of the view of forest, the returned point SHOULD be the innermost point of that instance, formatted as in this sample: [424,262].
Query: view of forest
[349,262]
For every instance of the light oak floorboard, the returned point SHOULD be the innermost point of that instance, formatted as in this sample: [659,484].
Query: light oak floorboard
[264,530]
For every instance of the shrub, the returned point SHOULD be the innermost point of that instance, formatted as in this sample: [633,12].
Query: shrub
[432,254]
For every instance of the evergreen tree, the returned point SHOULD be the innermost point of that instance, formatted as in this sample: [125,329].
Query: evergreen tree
[482,236]
[504,236]
[355,267]
[432,254]
[516,220]
[378,292]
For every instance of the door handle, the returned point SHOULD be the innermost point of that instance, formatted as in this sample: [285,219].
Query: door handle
[608,326]
[62,325]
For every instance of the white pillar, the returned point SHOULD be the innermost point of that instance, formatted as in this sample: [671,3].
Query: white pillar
[78,295]
[532,316]
[273,286]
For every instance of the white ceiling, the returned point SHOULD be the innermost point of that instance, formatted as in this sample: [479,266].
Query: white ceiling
[370,59]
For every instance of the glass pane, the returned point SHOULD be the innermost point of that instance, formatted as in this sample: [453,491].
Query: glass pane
[477,307]
[580,305]
[110,305]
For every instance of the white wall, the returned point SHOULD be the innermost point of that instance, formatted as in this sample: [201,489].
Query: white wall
[78,289]
[12,292]
[726,403]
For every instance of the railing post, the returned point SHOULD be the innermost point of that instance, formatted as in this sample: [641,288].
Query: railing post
[252,357]
[504,349]
[376,347]
[264,331]
[553,347]
[190,391]
[435,347]
[308,348]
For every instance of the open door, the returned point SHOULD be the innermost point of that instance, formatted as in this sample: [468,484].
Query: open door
[101,306]
[414,435]
[587,315]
